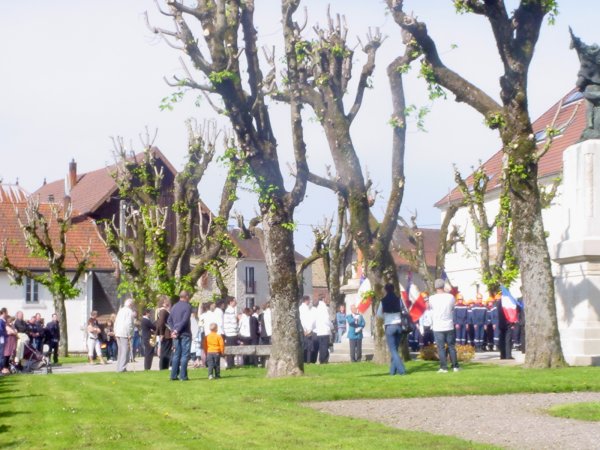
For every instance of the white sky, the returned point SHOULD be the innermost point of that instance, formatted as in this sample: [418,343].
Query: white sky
[75,73]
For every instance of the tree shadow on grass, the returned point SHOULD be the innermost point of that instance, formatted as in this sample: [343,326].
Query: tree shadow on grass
[5,428]
[3,398]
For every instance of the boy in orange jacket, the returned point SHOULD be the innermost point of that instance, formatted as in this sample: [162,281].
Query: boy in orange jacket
[214,348]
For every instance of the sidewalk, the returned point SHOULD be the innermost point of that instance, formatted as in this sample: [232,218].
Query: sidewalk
[341,353]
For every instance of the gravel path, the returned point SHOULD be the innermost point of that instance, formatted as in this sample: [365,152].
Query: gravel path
[511,421]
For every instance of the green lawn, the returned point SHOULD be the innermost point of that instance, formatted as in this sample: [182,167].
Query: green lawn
[244,409]
[580,411]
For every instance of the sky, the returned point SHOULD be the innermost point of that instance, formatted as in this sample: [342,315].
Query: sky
[77,73]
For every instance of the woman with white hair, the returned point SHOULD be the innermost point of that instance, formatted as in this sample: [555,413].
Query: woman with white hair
[356,324]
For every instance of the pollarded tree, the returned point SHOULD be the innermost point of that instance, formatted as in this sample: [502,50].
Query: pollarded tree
[215,54]
[416,257]
[501,268]
[46,228]
[149,264]
[318,74]
[516,35]
[329,248]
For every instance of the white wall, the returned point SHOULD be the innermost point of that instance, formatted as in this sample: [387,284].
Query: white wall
[462,265]
[12,297]
[262,291]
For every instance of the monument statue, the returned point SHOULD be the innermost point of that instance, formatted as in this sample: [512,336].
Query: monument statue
[588,83]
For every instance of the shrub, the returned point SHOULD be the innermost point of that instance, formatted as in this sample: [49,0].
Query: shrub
[463,352]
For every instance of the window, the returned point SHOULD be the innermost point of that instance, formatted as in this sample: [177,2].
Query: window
[250,302]
[577,95]
[31,291]
[250,283]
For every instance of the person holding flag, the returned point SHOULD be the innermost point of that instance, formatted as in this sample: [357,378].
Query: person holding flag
[507,318]
[391,309]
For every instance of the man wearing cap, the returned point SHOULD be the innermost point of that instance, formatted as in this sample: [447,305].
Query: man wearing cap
[442,309]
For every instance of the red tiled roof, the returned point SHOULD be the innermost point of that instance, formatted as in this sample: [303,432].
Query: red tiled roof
[82,234]
[12,193]
[431,237]
[92,188]
[252,249]
[571,116]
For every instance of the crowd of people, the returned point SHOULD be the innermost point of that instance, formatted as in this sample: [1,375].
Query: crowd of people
[479,323]
[179,333]
[19,337]
[322,329]
[448,320]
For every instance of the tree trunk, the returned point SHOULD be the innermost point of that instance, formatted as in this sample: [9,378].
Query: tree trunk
[61,312]
[286,352]
[543,338]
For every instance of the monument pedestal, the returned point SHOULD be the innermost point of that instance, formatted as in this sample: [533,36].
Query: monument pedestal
[578,254]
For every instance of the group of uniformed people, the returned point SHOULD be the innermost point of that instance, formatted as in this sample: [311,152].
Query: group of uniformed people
[481,324]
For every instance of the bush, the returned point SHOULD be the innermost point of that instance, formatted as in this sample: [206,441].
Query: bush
[463,352]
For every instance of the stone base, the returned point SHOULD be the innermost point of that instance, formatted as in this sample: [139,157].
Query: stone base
[578,312]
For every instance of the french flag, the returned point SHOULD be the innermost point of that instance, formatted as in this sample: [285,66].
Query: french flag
[509,306]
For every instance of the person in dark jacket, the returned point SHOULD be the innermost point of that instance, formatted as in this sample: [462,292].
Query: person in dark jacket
[391,309]
[53,337]
[166,342]
[22,336]
[148,328]
[489,327]
[254,333]
[505,335]
[181,332]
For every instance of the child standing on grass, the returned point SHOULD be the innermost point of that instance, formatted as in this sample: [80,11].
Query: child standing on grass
[214,348]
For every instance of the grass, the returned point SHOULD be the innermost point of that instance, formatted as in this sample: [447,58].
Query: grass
[72,359]
[244,409]
[580,411]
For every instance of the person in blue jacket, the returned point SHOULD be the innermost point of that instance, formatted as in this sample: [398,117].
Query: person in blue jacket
[340,323]
[356,324]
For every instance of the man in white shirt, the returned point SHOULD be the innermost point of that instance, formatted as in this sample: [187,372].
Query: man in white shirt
[441,305]
[124,333]
[267,324]
[307,322]
[218,316]
[231,328]
[323,329]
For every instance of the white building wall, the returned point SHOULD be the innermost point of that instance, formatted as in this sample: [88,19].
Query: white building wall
[462,265]
[262,292]
[12,297]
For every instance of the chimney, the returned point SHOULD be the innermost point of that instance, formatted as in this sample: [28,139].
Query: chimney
[72,174]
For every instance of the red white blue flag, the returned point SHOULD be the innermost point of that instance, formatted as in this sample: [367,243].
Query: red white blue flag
[509,306]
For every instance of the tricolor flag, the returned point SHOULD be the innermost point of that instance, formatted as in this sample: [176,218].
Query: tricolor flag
[509,306]
[418,308]
[365,302]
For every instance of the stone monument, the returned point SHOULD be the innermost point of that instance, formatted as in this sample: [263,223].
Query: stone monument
[578,253]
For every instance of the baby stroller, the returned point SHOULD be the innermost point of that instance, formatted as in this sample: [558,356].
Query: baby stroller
[33,361]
